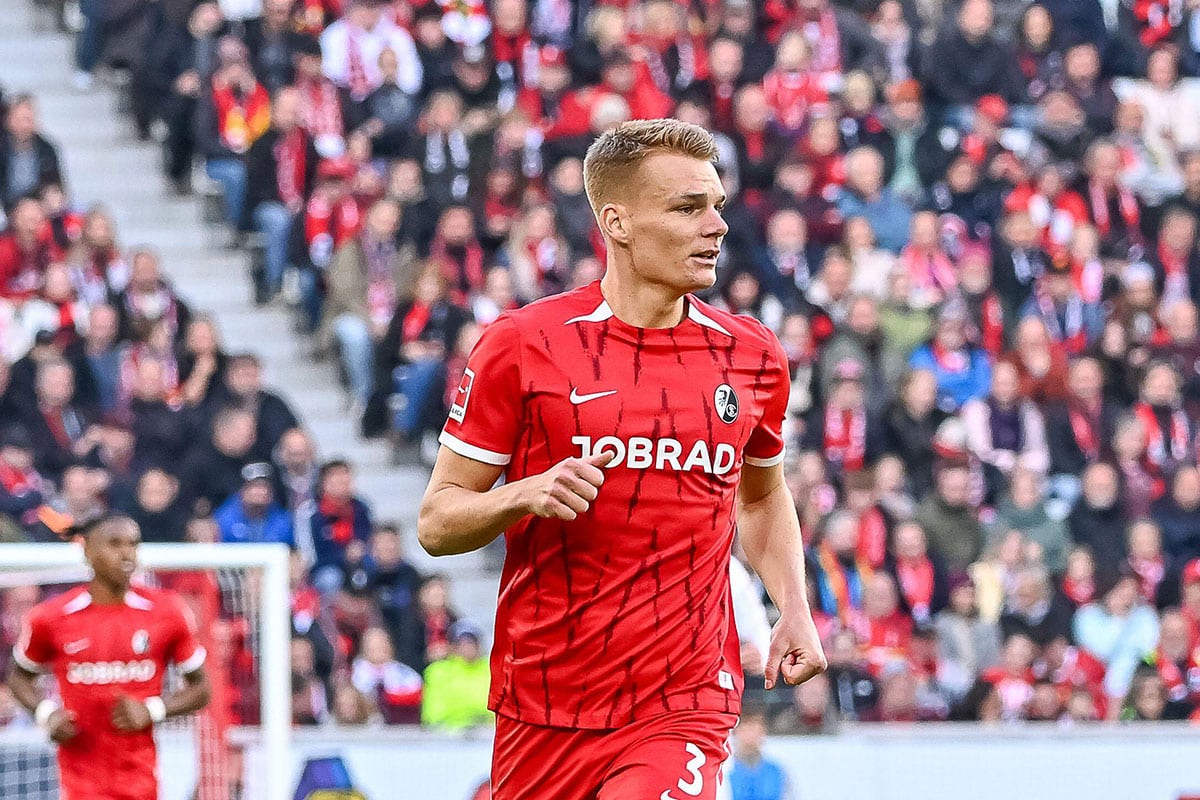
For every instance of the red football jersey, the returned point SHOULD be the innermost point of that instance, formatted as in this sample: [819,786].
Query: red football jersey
[97,652]
[624,612]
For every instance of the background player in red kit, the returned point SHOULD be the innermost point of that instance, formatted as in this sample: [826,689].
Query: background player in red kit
[633,424]
[108,646]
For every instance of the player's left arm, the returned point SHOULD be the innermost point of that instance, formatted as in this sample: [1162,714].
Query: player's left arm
[131,715]
[185,652]
[770,534]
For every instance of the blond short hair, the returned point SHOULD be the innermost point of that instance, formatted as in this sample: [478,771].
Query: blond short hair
[616,154]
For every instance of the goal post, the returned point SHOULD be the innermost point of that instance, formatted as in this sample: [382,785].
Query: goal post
[32,564]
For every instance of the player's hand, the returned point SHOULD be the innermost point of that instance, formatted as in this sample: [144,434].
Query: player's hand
[795,650]
[567,489]
[61,726]
[130,715]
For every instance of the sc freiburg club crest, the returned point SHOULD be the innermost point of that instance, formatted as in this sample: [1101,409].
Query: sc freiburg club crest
[726,402]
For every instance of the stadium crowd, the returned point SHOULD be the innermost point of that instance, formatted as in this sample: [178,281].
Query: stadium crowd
[973,226]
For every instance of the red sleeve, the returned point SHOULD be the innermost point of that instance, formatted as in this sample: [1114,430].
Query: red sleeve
[184,651]
[487,406]
[765,447]
[35,648]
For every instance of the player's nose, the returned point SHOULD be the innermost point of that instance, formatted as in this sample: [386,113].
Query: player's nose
[714,223]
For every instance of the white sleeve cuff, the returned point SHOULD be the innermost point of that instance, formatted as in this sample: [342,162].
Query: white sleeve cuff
[472,452]
[194,662]
[25,662]
[766,462]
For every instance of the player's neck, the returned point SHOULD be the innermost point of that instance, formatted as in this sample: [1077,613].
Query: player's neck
[640,304]
[106,594]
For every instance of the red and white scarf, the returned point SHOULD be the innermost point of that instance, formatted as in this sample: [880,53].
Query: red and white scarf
[824,41]
[1127,203]
[356,73]
[1085,426]
[1069,333]
[915,577]
[321,112]
[1176,284]
[951,361]
[793,95]
[1163,447]
[846,437]
[929,270]
[290,168]
[328,226]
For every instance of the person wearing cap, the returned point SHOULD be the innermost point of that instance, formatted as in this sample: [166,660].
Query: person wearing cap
[456,686]
[963,370]
[920,148]
[967,642]
[548,100]
[252,515]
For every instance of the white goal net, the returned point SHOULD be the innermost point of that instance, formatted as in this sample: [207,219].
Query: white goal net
[237,748]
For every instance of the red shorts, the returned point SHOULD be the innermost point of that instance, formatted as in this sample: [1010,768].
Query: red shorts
[672,756]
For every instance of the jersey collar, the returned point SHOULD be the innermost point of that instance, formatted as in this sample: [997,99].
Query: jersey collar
[84,599]
[603,312]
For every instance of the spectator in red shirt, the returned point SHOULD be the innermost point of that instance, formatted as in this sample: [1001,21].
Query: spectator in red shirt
[26,249]
[1177,660]
[395,686]
[888,628]
[793,88]
[920,577]
[1013,676]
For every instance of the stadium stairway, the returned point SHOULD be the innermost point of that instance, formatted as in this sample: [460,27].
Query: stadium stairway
[105,163]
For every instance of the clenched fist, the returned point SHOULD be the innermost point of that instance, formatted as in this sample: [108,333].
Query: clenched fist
[567,489]
[130,715]
[61,726]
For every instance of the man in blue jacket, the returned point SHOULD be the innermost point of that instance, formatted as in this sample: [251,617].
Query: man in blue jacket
[252,515]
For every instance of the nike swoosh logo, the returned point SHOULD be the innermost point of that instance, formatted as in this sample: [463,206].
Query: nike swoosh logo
[577,398]
[70,648]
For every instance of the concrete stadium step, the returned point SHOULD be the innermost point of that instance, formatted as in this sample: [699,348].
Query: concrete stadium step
[105,163]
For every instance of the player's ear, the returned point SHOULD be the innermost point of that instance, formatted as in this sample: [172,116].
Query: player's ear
[613,223]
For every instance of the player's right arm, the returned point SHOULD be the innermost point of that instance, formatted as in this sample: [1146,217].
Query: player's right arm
[461,511]
[34,650]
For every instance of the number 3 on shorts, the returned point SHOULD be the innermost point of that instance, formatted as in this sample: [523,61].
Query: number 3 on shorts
[695,785]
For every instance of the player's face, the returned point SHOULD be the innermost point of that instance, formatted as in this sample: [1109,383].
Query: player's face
[111,549]
[675,224]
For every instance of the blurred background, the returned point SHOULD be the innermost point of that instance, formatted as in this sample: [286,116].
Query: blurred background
[247,246]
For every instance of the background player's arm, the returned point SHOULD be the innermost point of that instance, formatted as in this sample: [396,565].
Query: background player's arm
[58,721]
[132,715]
[770,534]
[461,511]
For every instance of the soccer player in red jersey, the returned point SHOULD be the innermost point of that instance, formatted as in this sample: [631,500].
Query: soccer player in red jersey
[108,646]
[633,425]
